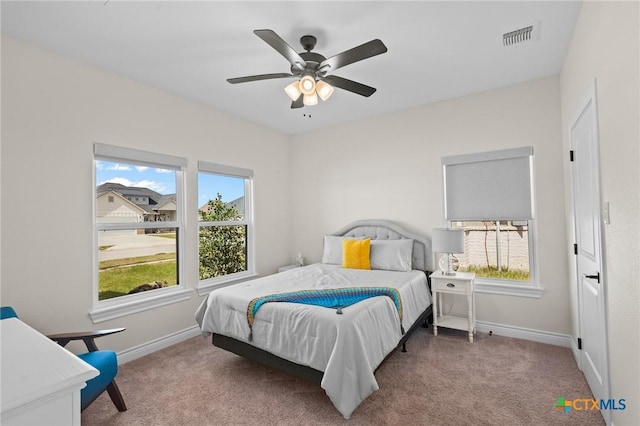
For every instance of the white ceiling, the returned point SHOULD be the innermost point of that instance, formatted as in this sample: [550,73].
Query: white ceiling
[436,50]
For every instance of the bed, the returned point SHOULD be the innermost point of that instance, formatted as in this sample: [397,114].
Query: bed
[338,348]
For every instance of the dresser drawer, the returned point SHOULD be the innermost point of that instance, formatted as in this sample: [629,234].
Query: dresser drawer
[451,286]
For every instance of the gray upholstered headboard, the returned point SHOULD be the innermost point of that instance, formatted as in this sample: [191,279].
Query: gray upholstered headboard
[379,229]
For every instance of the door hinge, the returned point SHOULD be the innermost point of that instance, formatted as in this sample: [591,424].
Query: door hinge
[579,343]
[575,249]
[595,276]
[571,155]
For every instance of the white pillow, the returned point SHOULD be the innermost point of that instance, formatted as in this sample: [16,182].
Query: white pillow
[332,249]
[392,255]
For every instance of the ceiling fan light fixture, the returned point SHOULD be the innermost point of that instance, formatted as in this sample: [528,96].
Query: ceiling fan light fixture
[310,100]
[324,90]
[310,68]
[293,90]
[307,85]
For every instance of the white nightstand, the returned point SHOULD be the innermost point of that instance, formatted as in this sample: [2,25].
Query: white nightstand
[462,283]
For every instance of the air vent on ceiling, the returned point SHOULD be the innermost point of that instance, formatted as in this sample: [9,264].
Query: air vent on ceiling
[519,36]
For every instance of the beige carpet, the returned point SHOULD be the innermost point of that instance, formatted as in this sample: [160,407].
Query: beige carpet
[442,380]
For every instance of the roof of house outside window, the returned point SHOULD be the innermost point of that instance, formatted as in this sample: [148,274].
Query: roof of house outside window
[156,201]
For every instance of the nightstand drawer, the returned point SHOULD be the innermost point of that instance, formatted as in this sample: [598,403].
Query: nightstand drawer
[451,286]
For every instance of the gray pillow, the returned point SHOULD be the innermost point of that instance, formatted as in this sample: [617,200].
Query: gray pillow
[392,255]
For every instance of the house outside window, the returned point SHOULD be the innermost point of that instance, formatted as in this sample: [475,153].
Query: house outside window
[490,196]
[138,236]
[225,225]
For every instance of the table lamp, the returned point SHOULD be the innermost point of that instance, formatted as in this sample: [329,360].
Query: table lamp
[447,241]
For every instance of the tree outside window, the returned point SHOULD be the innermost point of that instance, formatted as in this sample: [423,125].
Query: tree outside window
[225,223]
[222,247]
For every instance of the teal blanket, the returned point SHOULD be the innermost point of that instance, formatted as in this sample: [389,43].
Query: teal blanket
[336,298]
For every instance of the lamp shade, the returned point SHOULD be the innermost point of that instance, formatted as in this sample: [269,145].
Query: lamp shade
[324,90]
[307,85]
[310,100]
[293,90]
[445,240]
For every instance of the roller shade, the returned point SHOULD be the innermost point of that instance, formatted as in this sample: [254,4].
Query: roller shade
[221,169]
[495,185]
[150,159]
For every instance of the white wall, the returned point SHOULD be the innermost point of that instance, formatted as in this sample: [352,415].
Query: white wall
[53,110]
[606,46]
[389,167]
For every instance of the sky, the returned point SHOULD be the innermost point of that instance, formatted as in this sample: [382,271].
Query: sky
[164,181]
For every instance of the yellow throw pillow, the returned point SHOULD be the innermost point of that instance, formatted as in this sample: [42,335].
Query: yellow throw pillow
[355,254]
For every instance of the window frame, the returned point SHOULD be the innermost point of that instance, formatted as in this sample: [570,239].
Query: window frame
[104,310]
[207,285]
[531,288]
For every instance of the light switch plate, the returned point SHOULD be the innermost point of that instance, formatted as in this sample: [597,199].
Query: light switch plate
[605,213]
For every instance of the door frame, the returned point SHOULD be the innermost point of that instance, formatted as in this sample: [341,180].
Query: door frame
[590,98]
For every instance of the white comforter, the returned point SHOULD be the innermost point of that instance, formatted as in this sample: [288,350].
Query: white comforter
[347,348]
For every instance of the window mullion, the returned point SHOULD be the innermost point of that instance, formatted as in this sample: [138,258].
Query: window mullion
[224,223]
[136,225]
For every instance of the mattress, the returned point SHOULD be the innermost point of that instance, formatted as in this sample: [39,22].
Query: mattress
[347,347]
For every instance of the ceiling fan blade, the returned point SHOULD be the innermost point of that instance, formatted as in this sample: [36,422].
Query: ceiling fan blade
[349,85]
[275,41]
[298,102]
[358,53]
[259,77]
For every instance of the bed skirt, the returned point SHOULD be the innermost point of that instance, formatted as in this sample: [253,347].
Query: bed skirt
[260,356]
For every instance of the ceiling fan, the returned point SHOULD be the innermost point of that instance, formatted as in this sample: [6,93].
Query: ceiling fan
[310,69]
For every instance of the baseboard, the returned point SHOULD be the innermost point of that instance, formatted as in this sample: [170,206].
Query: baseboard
[157,344]
[548,337]
[482,326]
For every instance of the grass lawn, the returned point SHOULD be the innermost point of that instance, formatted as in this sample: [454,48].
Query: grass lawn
[492,272]
[118,277]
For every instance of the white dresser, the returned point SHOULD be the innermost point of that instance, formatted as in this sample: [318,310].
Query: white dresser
[40,381]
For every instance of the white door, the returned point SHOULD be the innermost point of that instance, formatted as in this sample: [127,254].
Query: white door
[590,280]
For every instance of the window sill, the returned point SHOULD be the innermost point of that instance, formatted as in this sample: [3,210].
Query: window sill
[140,304]
[520,290]
[206,287]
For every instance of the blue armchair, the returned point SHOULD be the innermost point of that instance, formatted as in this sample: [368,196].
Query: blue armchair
[103,361]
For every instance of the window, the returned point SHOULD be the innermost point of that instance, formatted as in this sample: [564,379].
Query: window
[490,196]
[496,249]
[225,224]
[138,225]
